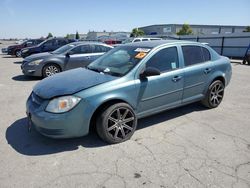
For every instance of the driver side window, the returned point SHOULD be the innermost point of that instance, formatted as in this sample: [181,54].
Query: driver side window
[164,60]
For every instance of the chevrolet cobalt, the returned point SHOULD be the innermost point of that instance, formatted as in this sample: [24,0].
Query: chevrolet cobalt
[129,82]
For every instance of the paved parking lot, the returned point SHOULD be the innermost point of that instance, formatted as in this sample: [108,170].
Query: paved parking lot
[186,147]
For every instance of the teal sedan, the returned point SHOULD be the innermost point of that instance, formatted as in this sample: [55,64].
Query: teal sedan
[129,82]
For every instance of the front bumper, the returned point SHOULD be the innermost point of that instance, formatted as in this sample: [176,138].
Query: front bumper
[34,70]
[74,123]
[4,50]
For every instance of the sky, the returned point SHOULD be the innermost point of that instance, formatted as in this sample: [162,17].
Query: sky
[36,18]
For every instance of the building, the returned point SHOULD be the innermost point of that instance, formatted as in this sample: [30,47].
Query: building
[73,36]
[102,36]
[172,29]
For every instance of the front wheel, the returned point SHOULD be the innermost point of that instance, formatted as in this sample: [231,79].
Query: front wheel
[116,123]
[18,53]
[214,94]
[50,70]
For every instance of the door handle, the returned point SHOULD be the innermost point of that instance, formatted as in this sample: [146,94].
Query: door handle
[207,70]
[88,57]
[176,78]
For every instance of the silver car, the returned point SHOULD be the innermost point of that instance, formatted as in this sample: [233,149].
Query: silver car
[70,56]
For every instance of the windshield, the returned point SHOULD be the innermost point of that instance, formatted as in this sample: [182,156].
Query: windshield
[64,49]
[119,61]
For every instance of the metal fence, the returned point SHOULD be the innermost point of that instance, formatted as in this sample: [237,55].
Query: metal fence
[230,45]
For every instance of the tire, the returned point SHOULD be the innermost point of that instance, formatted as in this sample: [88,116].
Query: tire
[214,94]
[50,70]
[116,123]
[18,53]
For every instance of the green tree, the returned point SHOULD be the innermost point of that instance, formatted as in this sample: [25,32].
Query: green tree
[67,36]
[247,29]
[77,35]
[49,35]
[185,30]
[137,32]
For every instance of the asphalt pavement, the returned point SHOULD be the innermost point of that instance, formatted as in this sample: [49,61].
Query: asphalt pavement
[186,147]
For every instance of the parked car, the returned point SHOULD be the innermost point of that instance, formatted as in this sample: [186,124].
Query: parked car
[46,46]
[112,42]
[20,41]
[69,56]
[15,50]
[140,39]
[129,82]
[246,58]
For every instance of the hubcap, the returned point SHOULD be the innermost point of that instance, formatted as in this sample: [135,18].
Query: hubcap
[120,123]
[216,94]
[18,53]
[51,70]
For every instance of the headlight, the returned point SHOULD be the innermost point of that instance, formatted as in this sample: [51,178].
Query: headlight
[25,50]
[62,104]
[36,62]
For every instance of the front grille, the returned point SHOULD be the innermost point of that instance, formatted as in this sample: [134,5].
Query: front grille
[36,99]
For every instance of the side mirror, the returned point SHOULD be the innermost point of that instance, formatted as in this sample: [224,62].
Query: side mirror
[150,71]
[67,54]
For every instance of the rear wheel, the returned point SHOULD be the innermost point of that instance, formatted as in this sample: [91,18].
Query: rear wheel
[50,70]
[214,94]
[116,123]
[18,53]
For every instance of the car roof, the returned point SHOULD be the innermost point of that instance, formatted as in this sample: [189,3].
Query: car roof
[155,43]
[88,42]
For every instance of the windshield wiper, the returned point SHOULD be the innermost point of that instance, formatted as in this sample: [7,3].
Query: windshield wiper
[94,69]
[113,74]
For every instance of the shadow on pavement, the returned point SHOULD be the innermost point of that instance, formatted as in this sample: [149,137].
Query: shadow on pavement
[9,56]
[32,143]
[18,62]
[25,78]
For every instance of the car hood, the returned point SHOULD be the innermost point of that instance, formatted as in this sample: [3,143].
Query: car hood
[37,56]
[70,82]
[14,46]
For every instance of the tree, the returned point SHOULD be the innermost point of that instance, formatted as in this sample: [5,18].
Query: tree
[137,32]
[67,36]
[247,29]
[77,35]
[49,35]
[185,30]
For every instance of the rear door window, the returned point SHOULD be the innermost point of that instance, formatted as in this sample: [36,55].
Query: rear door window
[83,49]
[192,55]
[62,42]
[100,49]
